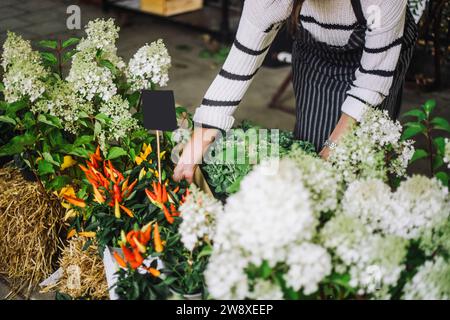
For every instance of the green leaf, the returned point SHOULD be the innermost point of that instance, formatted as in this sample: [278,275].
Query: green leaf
[266,270]
[413,130]
[440,124]
[45,167]
[438,162]
[443,177]
[28,120]
[429,106]
[108,64]
[68,55]
[97,128]
[83,140]
[17,144]
[50,120]
[116,152]
[70,42]
[48,157]
[80,152]
[7,119]
[2,87]
[13,108]
[439,142]
[56,139]
[49,58]
[103,118]
[415,113]
[51,44]
[419,154]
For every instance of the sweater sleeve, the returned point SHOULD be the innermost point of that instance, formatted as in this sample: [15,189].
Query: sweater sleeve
[383,44]
[258,26]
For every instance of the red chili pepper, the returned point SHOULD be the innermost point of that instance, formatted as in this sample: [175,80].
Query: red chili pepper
[168,216]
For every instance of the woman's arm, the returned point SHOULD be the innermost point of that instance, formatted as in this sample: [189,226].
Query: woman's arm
[374,77]
[258,27]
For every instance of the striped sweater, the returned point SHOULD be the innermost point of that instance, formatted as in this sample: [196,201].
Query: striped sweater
[329,21]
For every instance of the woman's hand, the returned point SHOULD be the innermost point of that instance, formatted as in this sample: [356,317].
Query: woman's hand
[344,125]
[193,153]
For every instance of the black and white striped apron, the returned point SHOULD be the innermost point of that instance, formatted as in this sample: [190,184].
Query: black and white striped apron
[323,74]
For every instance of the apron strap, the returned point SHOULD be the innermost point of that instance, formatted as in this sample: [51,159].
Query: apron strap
[357,9]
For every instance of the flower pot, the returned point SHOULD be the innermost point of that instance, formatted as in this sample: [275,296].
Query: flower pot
[111,267]
[192,296]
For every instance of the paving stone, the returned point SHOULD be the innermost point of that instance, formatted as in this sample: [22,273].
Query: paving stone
[11,24]
[33,5]
[4,3]
[9,12]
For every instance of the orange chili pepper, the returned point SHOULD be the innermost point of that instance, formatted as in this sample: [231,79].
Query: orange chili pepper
[75,201]
[138,257]
[173,211]
[111,171]
[125,184]
[130,238]
[98,154]
[127,211]
[129,255]
[119,260]
[154,272]
[71,233]
[97,195]
[157,239]
[176,189]
[117,210]
[167,215]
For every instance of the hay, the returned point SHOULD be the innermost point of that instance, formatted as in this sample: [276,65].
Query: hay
[83,271]
[29,229]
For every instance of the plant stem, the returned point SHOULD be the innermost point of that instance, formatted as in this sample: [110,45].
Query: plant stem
[430,146]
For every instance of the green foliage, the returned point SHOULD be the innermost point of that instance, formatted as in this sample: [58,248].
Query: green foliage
[225,174]
[428,126]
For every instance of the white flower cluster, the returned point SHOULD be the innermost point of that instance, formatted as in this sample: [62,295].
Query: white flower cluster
[265,290]
[23,70]
[149,65]
[374,261]
[447,152]
[264,223]
[89,79]
[121,120]
[419,205]
[63,102]
[199,213]
[431,282]
[364,152]
[87,75]
[320,178]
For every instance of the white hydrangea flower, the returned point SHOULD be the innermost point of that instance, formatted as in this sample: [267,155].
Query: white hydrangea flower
[362,153]
[309,264]
[265,290]
[265,223]
[447,152]
[63,102]
[122,121]
[225,275]
[199,213]
[419,204]
[321,179]
[89,79]
[373,261]
[100,35]
[431,282]
[149,66]
[370,201]
[24,73]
